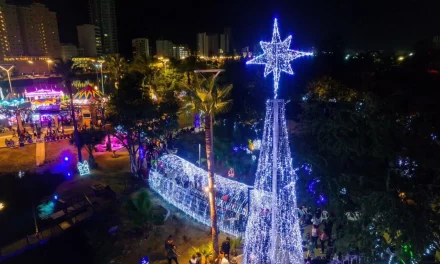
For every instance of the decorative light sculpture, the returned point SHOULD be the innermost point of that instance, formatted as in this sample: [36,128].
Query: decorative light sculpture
[83,168]
[182,184]
[144,260]
[272,233]
[277,57]
[45,93]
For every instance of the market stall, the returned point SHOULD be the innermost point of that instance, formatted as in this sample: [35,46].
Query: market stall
[90,101]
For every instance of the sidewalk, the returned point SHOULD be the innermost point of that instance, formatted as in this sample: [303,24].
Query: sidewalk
[8,135]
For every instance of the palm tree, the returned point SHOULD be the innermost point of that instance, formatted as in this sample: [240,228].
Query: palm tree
[207,97]
[190,64]
[66,70]
[89,138]
[147,67]
[117,66]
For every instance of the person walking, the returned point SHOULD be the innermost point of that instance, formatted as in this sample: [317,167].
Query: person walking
[170,248]
[315,235]
[226,247]
[323,238]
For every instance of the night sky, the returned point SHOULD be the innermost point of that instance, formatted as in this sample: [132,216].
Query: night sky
[374,24]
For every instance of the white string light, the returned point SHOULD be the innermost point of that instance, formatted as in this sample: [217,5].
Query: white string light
[272,232]
[83,168]
[277,56]
[182,184]
[259,236]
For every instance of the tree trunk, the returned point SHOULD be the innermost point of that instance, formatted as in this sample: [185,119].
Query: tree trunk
[132,153]
[109,143]
[75,126]
[92,162]
[209,140]
[133,166]
[19,122]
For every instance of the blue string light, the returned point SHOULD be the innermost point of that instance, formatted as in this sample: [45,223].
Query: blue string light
[277,56]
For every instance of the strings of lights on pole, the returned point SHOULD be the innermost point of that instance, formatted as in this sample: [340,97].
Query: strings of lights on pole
[272,233]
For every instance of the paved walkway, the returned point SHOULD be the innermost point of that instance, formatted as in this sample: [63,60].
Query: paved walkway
[8,135]
[43,236]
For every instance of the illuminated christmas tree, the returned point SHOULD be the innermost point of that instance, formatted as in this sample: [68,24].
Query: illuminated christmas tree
[272,233]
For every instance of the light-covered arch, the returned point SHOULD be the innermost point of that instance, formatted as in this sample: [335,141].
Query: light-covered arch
[182,184]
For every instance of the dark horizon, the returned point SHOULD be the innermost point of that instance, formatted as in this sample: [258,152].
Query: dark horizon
[372,25]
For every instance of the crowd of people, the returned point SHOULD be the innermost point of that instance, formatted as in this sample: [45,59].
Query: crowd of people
[224,257]
[321,236]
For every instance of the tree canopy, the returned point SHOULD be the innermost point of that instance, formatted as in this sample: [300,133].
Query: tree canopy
[374,161]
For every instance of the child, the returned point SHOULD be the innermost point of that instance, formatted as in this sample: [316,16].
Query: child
[193,260]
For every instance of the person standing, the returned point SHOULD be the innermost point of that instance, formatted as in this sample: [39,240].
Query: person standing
[226,247]
[199,258]
[315,236]
[328,227]
[170,248]
[224,260]
[193,260]
[323,238]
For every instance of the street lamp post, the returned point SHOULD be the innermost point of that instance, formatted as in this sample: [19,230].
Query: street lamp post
[97,77]
[48,65]
[165,64]
[102,77]
[8,72]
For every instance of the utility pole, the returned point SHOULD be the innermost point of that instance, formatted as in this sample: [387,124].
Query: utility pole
[7,68]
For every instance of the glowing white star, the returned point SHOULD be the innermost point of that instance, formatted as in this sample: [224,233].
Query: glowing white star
[277,56]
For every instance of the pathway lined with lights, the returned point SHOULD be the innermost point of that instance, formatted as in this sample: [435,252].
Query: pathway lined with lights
[183,184]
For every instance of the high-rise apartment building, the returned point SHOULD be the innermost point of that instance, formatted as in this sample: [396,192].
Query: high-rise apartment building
[103,15]
[164,48]
[202,44]
[140,47]
[180,51]
[229,40]
[224,44]
[68,51]
[89,39]
[10,38]
[213,45]
[39,30]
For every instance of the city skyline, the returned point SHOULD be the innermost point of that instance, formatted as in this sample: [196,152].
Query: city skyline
[374,26]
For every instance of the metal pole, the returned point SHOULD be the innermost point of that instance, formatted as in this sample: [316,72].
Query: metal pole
[102,80]
[35,219]
[9,78]
[200,164]
[97,77]
[249,200]
[274,181]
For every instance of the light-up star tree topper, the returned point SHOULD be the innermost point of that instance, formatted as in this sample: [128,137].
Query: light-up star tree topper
[277,56]
[272,231]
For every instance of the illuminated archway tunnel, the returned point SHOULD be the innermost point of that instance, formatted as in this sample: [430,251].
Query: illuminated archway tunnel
[182,184]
